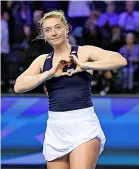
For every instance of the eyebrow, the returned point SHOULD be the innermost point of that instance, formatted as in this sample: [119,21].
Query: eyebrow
[54,26]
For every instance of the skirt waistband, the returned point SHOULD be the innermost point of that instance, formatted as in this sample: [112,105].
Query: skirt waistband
[71,115]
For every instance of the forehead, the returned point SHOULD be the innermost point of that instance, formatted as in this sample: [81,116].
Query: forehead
[51,22]
[110,4]
[130,3]
[130,35]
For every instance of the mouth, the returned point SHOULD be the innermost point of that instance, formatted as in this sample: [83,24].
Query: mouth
[55,39]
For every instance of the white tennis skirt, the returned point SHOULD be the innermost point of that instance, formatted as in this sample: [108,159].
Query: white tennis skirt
[67,130]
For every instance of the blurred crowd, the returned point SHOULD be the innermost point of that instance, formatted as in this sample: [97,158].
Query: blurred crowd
[111,25]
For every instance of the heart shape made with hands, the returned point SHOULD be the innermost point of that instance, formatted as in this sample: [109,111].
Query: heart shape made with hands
[67,63]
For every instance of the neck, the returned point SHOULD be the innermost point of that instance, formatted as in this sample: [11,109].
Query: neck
[129,12]
[62,48]
[129,46]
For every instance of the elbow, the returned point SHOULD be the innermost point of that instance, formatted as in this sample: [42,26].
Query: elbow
[17,89]
[121,61]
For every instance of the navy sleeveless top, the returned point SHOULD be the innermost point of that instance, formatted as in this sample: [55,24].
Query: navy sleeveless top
[67,93]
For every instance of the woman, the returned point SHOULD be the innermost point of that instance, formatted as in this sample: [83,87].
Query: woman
[131,52]
[74,138]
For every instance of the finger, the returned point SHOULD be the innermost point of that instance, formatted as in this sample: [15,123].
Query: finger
[73,72]
[63,61]
[65,74]
[76,71]
[71,60]
[71,57]
[68,64]
[61,65]
[74,59]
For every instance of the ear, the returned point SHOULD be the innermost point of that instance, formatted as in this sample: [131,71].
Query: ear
[42,34]
[67,29]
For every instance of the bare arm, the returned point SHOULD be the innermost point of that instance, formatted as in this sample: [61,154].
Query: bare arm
[103,59]
[32,77]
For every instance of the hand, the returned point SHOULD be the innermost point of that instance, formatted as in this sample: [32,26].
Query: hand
[77,70]
[80,65]
[60,72]
[57,69]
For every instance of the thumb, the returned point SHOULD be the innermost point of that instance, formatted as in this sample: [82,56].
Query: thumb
[74,71]
[74,59]
[65,74]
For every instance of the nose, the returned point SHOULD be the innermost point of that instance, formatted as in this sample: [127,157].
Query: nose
[54,32]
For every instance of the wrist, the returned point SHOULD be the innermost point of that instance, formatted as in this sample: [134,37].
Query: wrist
[85,66]
[49,74]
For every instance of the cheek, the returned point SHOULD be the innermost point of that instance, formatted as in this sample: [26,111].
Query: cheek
[62,33]
[46,35]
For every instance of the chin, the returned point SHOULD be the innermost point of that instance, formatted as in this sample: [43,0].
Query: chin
[57,43]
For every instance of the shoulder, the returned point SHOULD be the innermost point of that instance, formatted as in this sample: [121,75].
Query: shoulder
[88,48]
[41,59]
[4,23]
[123,49]
[122,17]
[84,49]
[43,56]
[103,15]
[123,14]
[136,13]
[137,47]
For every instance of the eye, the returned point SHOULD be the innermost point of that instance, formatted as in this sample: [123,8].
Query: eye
[47,30]
[58,27]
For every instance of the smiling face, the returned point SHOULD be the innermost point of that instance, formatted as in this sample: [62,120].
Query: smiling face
[55,31]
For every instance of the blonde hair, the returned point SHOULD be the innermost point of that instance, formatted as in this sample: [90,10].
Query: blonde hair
[55,13]
[52,14]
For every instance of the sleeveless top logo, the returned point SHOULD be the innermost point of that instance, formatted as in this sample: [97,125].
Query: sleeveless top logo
[49,56]
[73,52]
